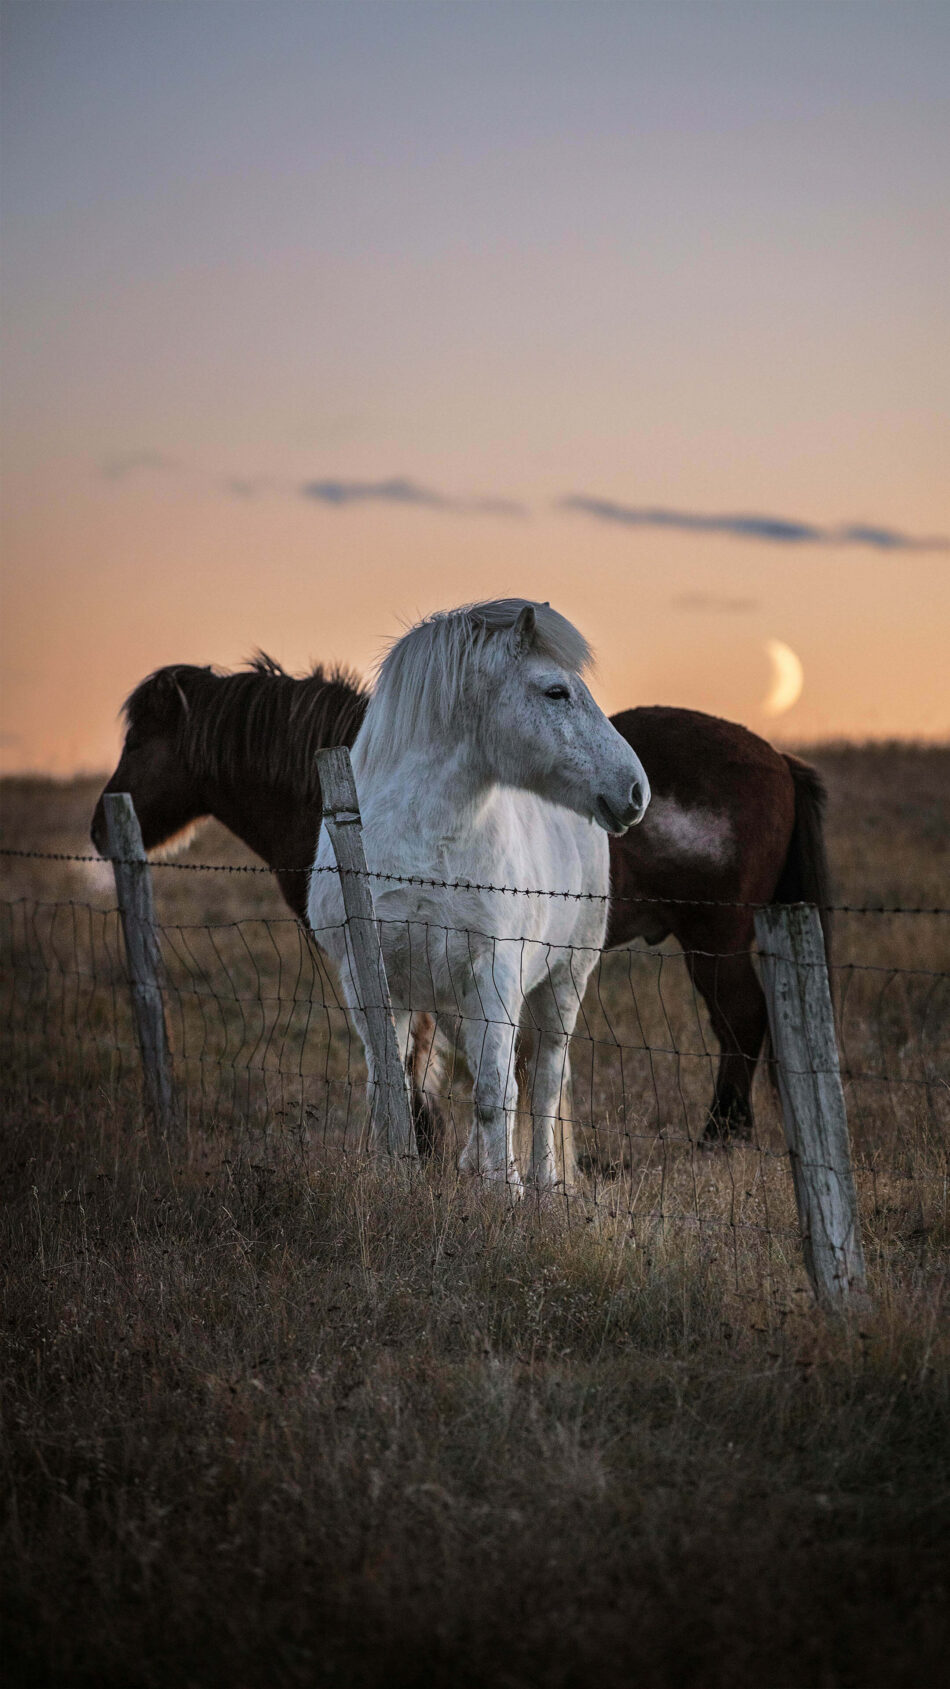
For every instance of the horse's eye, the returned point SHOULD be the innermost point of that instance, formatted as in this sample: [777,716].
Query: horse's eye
[557,692]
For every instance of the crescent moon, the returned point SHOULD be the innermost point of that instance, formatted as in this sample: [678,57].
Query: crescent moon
[788,678]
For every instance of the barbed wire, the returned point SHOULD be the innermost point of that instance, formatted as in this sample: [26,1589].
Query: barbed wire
[263,1045]
[653,951]
[467,885]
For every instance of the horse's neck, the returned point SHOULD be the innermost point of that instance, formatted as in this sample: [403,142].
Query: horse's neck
[438,818]
[276,826]
[501,836]
[252,801]
[430,797]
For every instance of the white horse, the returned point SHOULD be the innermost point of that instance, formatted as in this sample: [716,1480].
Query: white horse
[483,759]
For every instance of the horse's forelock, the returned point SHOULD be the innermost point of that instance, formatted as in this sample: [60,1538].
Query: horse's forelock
[161,696]
[554,636]
[424,676]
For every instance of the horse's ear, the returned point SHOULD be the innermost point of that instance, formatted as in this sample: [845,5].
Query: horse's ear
[171,694]
[172,690]
[523,632]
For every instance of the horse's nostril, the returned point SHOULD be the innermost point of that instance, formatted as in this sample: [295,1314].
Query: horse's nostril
[636,795]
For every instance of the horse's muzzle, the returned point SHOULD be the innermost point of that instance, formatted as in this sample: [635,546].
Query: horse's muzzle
[619,820]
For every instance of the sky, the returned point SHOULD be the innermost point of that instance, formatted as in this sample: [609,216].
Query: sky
[319,317]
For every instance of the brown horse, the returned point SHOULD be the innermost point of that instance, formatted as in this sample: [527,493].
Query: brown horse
[732,822]
[242,748]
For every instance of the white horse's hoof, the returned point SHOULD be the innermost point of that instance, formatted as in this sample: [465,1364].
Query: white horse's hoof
[543,1177]
[497,1179]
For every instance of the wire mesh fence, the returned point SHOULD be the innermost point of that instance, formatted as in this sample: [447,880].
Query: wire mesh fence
[263,1046]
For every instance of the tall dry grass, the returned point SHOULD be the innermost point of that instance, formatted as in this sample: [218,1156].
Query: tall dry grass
[273,1416]
[290,1420]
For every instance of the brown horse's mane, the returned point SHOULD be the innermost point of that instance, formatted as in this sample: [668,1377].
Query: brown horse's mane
[259,722]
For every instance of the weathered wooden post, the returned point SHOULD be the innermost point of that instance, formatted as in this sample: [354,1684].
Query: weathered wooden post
[133,884]
[391,1114]
[801,1020]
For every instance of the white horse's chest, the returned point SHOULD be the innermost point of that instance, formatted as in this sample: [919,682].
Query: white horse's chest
[517,841]
[441,925]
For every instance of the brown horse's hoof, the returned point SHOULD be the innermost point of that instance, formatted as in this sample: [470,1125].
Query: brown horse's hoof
[429,1122]
[729,1122]
[602,1166]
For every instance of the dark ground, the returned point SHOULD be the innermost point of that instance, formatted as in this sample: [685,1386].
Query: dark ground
[273,1420]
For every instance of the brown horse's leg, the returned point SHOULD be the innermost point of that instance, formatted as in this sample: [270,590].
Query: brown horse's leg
[732,993]
[422,1064]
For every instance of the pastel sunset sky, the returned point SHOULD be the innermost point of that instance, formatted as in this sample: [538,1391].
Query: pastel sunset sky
[317,317]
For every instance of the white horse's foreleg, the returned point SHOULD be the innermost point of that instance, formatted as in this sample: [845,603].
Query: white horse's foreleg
[550,1072]
[551,1010]
[490,1052]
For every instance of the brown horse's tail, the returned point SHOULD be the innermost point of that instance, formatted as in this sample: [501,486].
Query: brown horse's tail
[805,877]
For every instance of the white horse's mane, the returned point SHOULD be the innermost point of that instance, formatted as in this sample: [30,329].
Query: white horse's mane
[428,673]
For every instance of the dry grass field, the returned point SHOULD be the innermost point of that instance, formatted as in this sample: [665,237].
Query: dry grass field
[274,1416]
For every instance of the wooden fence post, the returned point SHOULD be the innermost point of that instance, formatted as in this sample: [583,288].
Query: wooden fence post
[133,884]
[391,1113]
[801,1020]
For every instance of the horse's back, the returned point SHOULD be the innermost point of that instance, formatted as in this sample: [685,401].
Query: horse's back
[718,829]
[699,757]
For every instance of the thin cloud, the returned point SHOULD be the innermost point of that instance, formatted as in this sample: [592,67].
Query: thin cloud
[776,530]
[713,602]
[130,463]
[251,486]
[400,491]
[492,507]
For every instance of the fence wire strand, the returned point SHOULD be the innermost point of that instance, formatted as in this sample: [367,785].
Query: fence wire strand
[378,875]
[261,1038]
